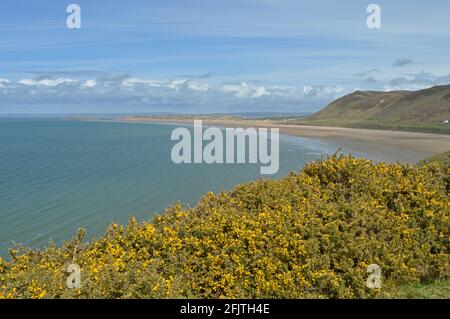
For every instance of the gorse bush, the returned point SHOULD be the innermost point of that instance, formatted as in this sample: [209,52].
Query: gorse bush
[308,235]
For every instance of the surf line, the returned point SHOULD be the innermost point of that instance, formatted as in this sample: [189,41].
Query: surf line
[190,149]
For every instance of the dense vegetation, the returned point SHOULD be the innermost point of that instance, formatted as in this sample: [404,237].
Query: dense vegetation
[443,159]
[310,234]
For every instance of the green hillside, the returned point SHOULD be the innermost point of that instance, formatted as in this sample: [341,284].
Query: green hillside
[423,110]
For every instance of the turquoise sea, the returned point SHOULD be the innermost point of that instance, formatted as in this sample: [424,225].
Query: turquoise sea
[57,175]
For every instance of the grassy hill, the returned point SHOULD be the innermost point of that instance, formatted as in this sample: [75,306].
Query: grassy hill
[423,110]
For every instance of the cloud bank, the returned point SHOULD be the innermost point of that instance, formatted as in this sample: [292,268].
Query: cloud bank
[125,93]
[201,93]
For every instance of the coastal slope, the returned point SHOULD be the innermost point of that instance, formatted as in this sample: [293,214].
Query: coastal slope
[424,110]
[312,234]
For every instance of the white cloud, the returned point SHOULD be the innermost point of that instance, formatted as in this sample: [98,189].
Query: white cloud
[323,91]
[307,89]
[176,84]
[27,82]
[417,81]
[199,87]
[3,81]
[47,82]
[135,81]
[90,83]
[245,90]
[260,91]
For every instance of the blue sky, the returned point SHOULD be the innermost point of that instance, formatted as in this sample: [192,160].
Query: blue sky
[214,55]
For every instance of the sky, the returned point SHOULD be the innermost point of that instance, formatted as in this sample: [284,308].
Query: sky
[211,56]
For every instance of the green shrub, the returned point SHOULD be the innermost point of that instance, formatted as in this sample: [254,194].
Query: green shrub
[308,235]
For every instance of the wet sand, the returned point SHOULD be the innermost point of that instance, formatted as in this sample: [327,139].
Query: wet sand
[380,145]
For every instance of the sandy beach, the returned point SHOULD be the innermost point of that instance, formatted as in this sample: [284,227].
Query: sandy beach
[379,145]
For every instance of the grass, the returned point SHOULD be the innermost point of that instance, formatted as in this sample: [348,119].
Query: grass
[435,290]
[374,124]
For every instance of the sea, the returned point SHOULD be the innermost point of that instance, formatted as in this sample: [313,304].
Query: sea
[58,175]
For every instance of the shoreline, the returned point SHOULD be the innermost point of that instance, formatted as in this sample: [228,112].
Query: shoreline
[380,145]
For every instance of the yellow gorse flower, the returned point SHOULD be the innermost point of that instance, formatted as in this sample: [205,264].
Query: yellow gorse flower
[310,234]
